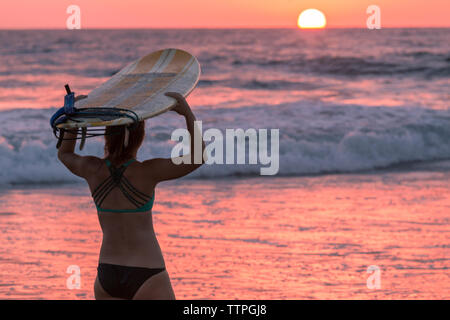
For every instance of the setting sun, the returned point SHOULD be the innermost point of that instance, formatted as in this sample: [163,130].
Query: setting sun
[311,19]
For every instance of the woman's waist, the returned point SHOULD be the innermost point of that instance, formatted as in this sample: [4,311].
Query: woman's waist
[134,253]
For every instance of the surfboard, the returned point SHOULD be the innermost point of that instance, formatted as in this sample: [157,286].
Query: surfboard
[140,87]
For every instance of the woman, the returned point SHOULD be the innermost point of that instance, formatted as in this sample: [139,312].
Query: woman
[131,265]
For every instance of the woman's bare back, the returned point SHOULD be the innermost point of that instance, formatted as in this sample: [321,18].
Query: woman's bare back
[128,238]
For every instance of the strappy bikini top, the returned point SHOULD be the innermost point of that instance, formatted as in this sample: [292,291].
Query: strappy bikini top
[142,201]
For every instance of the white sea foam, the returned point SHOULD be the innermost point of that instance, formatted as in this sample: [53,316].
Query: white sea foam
[314,139]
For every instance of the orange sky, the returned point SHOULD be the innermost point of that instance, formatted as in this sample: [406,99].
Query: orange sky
[30,14]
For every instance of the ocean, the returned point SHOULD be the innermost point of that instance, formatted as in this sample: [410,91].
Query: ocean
[343,100]
[364,163]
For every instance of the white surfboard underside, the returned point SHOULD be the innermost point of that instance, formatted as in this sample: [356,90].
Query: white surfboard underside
[140,87]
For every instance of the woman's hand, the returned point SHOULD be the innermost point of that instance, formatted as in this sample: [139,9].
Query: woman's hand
[181,107]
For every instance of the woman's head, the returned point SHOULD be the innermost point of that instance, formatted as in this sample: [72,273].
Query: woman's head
[115,141]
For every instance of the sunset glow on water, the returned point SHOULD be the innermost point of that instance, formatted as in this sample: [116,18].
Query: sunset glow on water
[296,238]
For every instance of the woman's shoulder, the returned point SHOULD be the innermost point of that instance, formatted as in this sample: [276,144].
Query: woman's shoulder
[94,162]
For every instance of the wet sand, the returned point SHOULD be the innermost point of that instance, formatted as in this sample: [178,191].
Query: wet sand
[255,238]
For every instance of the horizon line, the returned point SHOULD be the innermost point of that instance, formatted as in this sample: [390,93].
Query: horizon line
[224,28]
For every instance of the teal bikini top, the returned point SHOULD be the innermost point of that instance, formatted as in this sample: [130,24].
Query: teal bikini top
[142,201]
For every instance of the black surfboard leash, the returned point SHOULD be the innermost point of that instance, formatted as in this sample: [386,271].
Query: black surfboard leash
[70,112]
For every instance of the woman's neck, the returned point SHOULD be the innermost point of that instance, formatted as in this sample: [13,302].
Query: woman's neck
[117,161]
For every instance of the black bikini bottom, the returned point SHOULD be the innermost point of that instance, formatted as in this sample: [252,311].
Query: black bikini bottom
[123,281]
